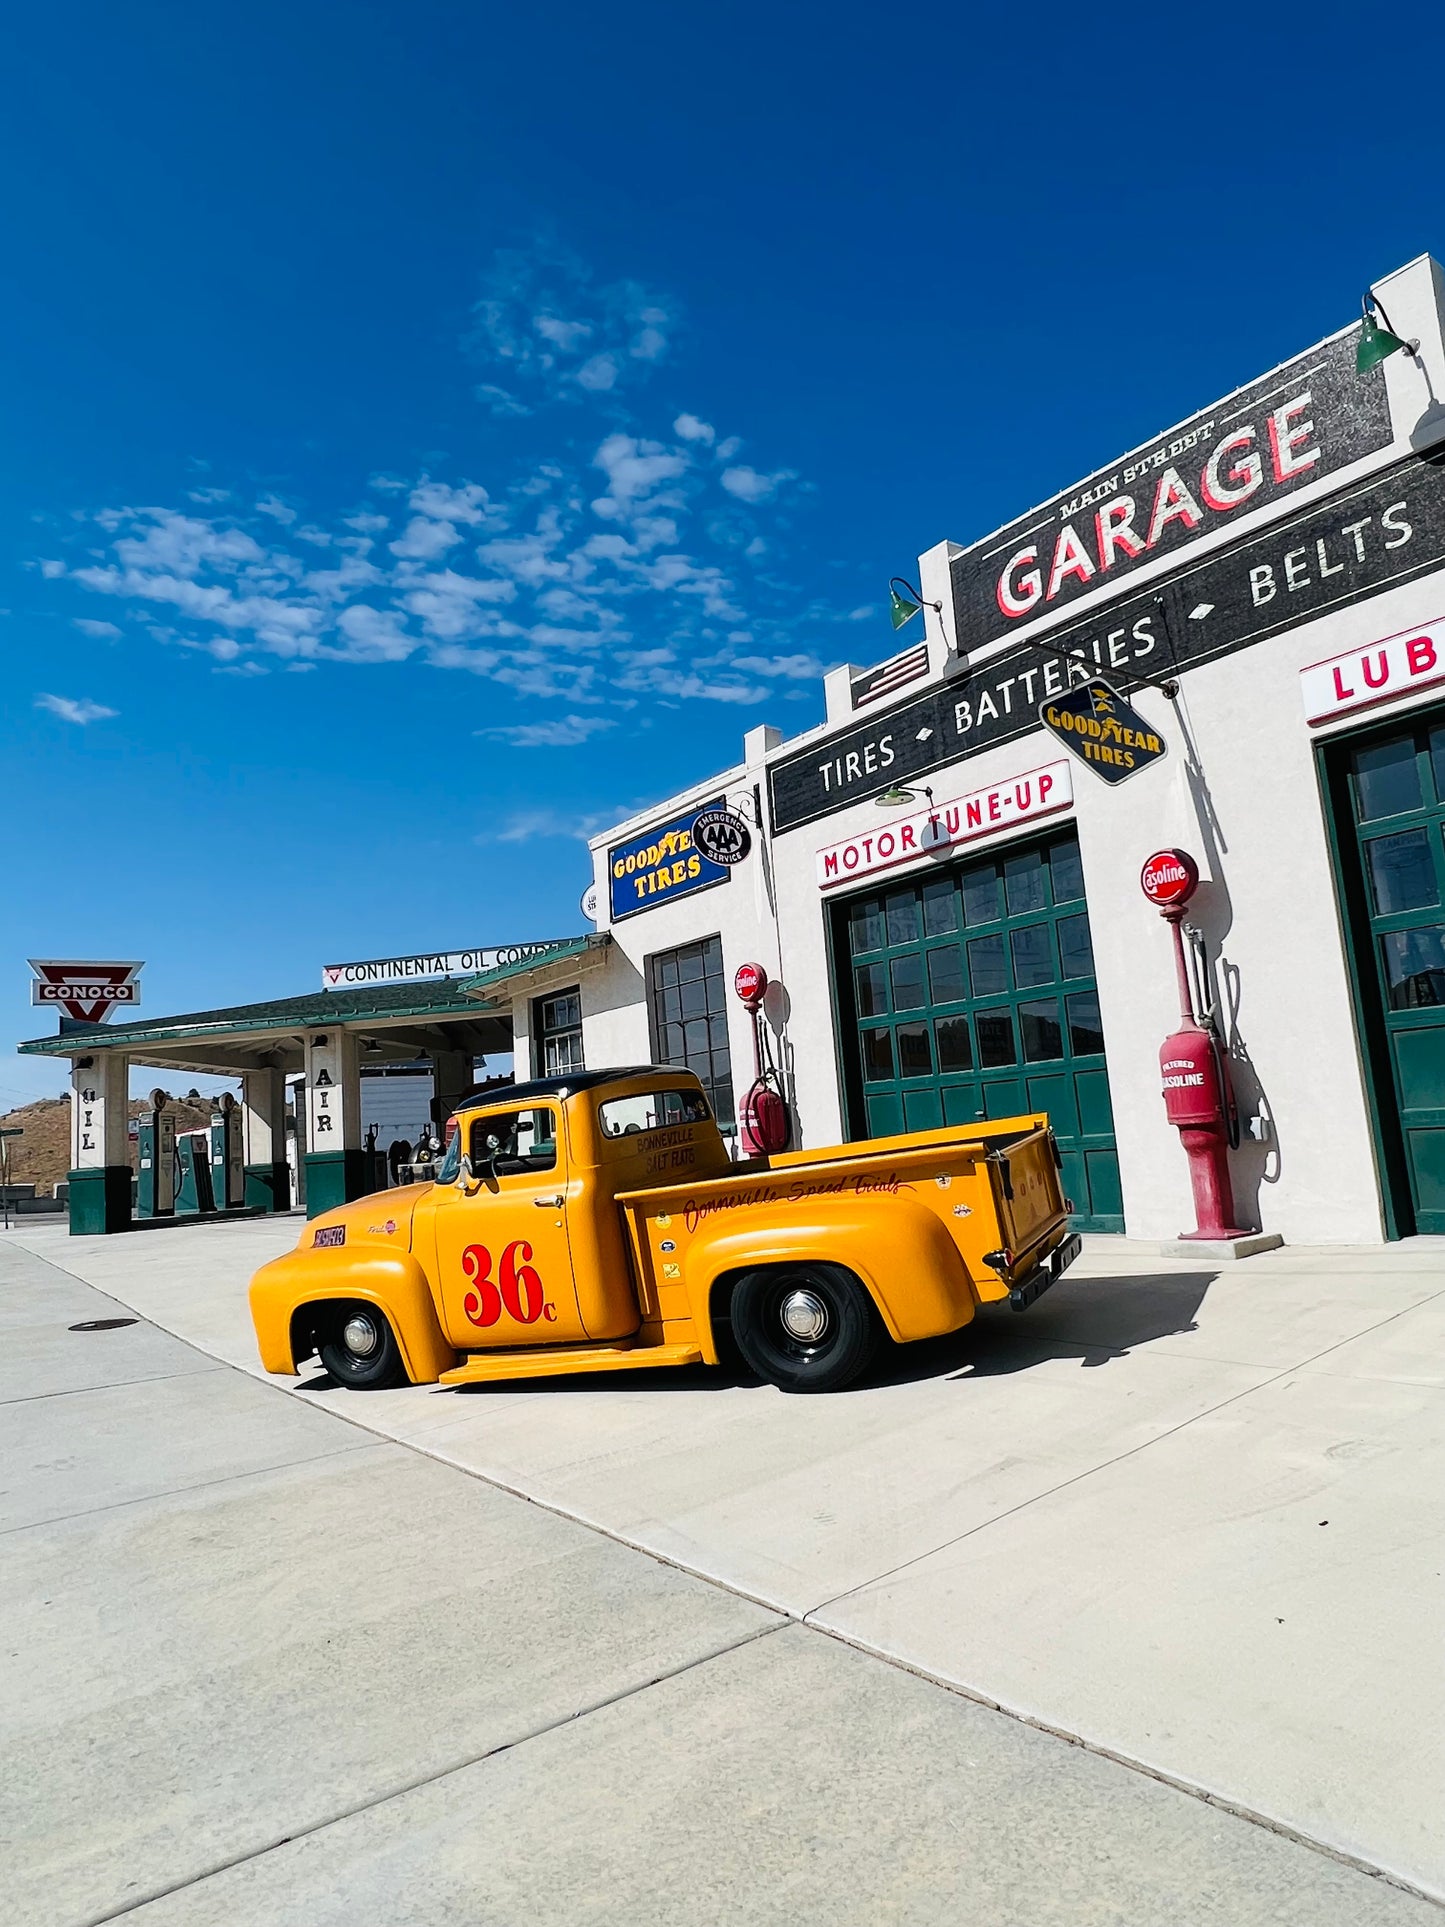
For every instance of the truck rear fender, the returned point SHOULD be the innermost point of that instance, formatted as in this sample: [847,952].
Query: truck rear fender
[286,1293]
[910,1265]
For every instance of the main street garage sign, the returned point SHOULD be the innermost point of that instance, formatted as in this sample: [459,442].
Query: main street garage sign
[1288,431]
[87,992]
[1328,555]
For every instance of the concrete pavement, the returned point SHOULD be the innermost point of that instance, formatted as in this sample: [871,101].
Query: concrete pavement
[1105,1516]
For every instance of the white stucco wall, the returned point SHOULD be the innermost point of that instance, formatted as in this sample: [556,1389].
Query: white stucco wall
[1249,809]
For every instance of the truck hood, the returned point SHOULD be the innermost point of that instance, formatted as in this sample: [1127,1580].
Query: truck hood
[383,1218]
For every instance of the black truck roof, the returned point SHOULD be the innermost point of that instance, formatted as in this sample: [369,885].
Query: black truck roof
[516,1094]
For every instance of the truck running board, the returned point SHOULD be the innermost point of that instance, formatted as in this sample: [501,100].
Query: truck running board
[487,1367]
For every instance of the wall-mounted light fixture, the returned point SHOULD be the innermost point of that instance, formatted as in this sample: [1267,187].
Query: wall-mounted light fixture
[896,795]
[904,602]
[1377,343]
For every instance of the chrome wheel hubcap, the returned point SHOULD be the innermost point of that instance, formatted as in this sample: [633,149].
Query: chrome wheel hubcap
[804,1315]
[361,1336]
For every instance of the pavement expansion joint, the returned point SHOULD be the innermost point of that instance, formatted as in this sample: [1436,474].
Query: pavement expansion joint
[413,1785]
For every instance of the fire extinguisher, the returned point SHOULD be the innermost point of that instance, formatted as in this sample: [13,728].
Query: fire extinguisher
[763,1120]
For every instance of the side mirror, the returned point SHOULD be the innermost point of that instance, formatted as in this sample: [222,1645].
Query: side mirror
[464,1170]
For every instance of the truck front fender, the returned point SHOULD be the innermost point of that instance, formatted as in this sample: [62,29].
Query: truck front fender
[902,1252]
[393,1281]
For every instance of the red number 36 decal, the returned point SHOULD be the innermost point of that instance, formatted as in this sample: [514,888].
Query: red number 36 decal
[517,1291]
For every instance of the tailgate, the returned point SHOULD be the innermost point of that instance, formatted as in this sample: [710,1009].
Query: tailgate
[1027,1190]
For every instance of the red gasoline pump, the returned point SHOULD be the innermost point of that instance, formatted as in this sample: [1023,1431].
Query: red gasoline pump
[1192,1072]
[763,1120]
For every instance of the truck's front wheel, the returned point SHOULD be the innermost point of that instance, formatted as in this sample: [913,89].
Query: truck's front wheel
[805,1328]
[358,1347]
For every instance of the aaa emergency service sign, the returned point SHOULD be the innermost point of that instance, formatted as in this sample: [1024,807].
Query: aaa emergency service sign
[661,863]
[1104,731]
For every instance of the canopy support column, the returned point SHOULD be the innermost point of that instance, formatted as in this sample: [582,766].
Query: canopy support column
[263,1128]
[99,1177]
[335,1159]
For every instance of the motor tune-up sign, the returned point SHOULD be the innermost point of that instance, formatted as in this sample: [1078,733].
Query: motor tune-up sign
[661,863]
[1103,730]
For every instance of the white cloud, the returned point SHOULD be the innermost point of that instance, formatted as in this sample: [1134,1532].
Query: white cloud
[548,824]
[499,401]
[561,732]
[541,310]
[692,430]
[566,335]
[634,468]
[268,505]
[598,374]
[423,540]
[795,667]
[102,631]
[466,503]
[75,709]
[749,486]
[387,484]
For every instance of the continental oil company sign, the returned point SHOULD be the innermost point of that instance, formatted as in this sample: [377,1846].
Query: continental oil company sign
[661,863]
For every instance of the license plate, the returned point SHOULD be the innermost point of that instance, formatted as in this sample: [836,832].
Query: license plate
[1066,1253]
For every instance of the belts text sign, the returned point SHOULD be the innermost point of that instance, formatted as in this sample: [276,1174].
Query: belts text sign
[435,963]
[1415,659]
[1103,731]
[1372,536]
[661,863]
[1289,430]
[982,813]
[88,992]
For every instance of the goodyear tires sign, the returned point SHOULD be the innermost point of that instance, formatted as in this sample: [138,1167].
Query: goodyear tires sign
[1103,730]
[661,863]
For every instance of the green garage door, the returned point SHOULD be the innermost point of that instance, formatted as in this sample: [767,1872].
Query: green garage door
[1397,800]
[971,994]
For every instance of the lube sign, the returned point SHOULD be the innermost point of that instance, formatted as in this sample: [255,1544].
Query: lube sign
[1414,659]
[1290,429]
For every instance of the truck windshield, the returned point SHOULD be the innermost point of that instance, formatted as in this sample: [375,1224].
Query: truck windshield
[451,1164]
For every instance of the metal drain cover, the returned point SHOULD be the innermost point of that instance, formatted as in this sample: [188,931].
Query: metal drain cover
[103,1324]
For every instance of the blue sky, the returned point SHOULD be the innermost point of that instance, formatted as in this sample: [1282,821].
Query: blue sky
[434,432]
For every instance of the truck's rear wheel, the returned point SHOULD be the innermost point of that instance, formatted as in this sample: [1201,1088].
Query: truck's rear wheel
[805,1328]
[358,1347]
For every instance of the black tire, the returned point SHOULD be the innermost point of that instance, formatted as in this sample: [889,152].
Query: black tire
[351,1362]
[839,1350]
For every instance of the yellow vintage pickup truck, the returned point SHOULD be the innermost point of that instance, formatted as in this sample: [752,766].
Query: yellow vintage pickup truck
[596,1223]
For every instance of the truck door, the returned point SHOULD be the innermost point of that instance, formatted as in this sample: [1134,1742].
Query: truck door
[504,1264]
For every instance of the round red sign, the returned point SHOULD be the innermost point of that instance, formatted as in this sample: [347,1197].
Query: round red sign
[750,983]
[1169,877]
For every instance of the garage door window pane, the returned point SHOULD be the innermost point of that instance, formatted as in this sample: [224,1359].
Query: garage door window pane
[1086,1033]
[865,926]
[980,896]
[1076,949]
[877,1056]
[1043,1034]
[1024,883]
[955,1047]
[986,968]
[1415,967]
[945,974]
[1387,779]
[915,1058]
[902,907]
[908,991]
[1067,872]
[1402,872]
[1033,956]
[995,1039]
[940,907]
[872,985]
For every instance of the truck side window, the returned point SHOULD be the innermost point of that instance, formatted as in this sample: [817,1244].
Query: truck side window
[652,1111]
[524,1142]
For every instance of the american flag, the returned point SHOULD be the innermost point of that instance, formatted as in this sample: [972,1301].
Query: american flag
[890,675]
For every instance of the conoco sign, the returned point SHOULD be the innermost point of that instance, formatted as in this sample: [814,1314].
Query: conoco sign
[1169,877]
[88,992]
